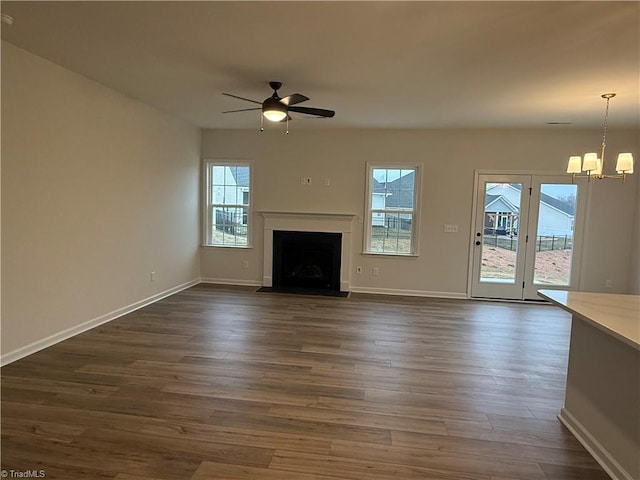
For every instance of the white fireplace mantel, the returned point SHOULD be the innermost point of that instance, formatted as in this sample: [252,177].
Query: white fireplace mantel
[308,222]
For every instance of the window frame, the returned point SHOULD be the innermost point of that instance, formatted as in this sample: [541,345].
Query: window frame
[208,205]
[415,212]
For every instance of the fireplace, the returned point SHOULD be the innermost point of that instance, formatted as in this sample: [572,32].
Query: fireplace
[309,222]
[306,260]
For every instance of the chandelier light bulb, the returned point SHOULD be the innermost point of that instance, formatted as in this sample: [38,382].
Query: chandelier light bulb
[624,163]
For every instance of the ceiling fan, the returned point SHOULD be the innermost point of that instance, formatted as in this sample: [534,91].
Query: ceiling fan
[277,109]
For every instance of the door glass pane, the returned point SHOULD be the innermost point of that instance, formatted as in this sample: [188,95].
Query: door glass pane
[554,238]
[500,232]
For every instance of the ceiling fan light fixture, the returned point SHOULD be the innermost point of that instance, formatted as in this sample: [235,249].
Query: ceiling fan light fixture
[273,110]
[274,115]
[276,109]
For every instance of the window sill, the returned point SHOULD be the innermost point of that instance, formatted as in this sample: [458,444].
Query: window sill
[394,255]
[241,247]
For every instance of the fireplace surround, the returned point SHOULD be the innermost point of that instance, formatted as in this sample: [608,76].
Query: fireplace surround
[336,223]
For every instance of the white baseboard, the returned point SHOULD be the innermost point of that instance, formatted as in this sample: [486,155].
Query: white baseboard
[589,442]
[375,291]
[409,293]
[88,325]
[229,281]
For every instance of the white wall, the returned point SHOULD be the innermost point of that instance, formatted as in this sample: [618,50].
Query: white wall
[635,253]
[450,158]
[98,190]
[611,239]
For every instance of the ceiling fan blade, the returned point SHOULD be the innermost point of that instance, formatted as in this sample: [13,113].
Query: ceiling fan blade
[293,99]
[242,110]
[318,112]
[242,98]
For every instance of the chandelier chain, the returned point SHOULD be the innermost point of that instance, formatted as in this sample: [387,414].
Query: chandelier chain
[604,131]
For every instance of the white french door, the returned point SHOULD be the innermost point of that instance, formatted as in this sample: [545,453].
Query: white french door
[526,235]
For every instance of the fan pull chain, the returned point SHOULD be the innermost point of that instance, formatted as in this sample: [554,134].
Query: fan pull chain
[287,132]
[261,122]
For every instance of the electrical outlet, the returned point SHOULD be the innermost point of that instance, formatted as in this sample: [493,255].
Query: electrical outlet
[608,284]
[245,264]
[359,269]
[152,277]
[450,228]
[376,271]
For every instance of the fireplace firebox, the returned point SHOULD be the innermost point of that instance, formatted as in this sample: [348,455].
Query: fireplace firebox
[306,260]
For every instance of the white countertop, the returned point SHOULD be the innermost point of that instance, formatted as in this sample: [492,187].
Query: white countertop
[617,315]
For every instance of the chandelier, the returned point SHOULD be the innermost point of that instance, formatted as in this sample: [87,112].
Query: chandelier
[594,165]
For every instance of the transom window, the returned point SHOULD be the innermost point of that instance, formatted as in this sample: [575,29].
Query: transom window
[228,204]
[392,204]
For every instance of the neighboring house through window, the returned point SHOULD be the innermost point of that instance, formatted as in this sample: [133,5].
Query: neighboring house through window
[392,209]
[228,204]
[502,214]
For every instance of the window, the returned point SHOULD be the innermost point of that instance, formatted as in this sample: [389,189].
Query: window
[392,206]
[228,204]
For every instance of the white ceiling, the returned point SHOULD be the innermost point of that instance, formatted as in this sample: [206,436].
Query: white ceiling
[377,64]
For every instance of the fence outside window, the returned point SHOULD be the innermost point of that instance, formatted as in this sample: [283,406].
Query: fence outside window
[544,243]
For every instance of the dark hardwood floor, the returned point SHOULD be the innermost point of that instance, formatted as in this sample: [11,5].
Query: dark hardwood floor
[227,384]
